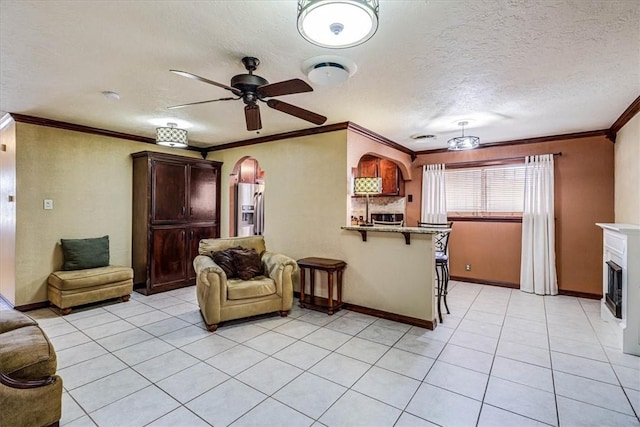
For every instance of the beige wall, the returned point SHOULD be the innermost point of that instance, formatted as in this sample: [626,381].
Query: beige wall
[627,173]
[305,191]
[89,179]
[7,208]
[307,197]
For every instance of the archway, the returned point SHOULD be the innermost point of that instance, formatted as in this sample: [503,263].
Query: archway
[246,204]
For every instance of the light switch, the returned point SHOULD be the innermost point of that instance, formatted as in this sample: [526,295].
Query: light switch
[48,204]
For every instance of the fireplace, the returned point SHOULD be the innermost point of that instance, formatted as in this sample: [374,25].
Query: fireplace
[613,297]
[621,282]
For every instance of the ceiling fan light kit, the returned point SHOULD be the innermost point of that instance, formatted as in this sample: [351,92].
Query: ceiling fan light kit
[171,136]
[337,23]
[463,142]
[252,88]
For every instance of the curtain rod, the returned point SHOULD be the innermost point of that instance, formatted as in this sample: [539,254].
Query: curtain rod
[491,162]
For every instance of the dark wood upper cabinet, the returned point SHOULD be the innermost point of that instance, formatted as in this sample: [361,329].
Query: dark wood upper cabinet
[202,184]
[368,167]
[392,182]
[175,204]
[169,192]
[391,177]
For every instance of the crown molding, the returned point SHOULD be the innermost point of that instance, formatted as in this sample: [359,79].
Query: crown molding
[278,136]
[576,135]
[22,118]
[314,131]
[381,139]
[624,118]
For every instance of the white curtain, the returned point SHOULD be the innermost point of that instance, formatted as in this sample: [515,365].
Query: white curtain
[434,200]
[538,264]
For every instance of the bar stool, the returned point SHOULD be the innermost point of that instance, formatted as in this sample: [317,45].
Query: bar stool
[441,245]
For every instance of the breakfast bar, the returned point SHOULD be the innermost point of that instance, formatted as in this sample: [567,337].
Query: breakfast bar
[405,231]
[389,275]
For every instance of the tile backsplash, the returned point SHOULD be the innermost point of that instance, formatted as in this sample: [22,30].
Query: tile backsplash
[391,204]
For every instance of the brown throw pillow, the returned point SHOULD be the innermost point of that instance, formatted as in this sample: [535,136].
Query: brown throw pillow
[247,263]
[224,259]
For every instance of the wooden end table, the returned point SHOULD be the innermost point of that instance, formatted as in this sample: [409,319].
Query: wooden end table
[330,266]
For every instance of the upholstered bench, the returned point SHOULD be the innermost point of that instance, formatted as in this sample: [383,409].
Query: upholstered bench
[67,289]
[30,390]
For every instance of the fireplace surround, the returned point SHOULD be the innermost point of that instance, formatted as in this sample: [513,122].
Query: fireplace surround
[621,281]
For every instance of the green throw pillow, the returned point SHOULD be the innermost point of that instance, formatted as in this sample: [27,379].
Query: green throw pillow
[85,253]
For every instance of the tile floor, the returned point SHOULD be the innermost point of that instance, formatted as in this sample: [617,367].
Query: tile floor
[502,358]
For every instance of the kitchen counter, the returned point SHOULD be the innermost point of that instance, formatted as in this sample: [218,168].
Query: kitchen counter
[405,231]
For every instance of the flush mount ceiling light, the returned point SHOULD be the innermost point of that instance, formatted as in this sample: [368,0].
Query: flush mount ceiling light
[337,23]
[329,70]
[463,142]
[171,136]
[328,74]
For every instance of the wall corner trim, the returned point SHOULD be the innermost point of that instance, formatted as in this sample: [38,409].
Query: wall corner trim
[624,118]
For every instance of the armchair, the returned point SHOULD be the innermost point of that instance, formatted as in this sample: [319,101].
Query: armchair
[30,391]
[221,298]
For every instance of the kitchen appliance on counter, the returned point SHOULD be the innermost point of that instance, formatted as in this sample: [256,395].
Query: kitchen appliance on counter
[387,217]
[249,209]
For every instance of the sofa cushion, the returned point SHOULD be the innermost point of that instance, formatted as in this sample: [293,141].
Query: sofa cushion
[27,353]
[247,263]
[224,259]
[81,254]
[257,287]
[78,279]
[13,319]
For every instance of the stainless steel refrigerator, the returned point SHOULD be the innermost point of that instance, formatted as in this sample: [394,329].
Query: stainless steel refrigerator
[249,209]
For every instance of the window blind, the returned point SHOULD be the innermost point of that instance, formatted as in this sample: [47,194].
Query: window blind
[485,191]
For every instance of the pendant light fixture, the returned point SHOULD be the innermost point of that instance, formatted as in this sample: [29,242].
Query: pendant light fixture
[463,142]
[337,23]
[171,136]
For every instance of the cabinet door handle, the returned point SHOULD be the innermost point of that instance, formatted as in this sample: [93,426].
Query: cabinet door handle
[191,210]
[183,210]
[191,234]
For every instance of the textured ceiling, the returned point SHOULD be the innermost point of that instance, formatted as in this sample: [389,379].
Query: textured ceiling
[513,68]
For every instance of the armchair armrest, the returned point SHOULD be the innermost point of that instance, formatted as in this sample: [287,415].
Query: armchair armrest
[31,402]
[211,287]
[203,262]
[25,383]
[280,268]
[273,262]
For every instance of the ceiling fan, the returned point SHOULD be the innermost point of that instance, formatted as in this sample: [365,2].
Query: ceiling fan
[252,88]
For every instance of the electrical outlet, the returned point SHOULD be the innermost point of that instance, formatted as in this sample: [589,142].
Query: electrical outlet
[467,267]
[48,204]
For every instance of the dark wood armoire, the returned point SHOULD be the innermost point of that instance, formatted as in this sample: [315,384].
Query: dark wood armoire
[176,203]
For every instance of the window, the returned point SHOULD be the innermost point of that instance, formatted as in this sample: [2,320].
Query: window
[485,191]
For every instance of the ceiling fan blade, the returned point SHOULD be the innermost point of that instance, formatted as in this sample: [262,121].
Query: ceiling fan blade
[202,79]
[252,117]
[286,87]
[298,112]
[200,102]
